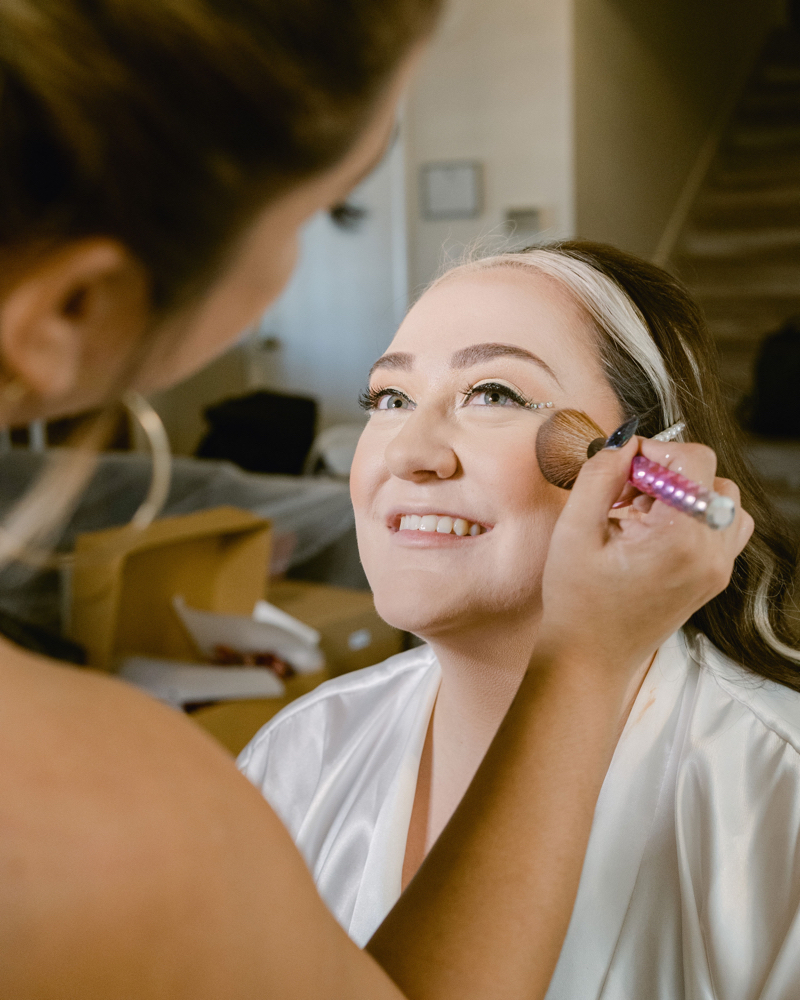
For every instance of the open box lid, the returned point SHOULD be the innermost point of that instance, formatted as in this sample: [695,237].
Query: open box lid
[124,579]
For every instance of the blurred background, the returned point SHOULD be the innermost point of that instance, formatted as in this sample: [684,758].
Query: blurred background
[670,128]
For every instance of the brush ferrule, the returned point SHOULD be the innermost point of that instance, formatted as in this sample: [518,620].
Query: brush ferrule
[594,446]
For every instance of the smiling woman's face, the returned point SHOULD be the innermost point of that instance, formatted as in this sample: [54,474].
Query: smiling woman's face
[450,445]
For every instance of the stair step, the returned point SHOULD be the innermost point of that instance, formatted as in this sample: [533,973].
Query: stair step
[768,117]
[724,243]
[746,217]
[751,289]
[755,168]
[747,319]
[739,252]
[741,199]
[736,283]
[781,263]
[736,333]
[764,103]
[783,45]
[764,136]
[733,331]
[781,73]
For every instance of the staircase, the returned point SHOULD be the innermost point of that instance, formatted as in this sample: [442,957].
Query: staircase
[739,250]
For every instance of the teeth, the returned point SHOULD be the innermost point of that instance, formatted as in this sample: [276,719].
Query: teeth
[444,525]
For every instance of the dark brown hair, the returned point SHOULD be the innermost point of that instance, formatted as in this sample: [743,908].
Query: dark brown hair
[753,621]
[165,123]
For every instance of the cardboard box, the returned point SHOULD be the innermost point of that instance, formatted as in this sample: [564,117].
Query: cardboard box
[235,723]
[352,633]
[344,618]
[123,581]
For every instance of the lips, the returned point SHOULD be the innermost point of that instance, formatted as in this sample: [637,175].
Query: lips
[442,524]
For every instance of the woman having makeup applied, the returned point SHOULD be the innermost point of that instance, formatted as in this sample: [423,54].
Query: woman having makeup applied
[156,162]
[691,883]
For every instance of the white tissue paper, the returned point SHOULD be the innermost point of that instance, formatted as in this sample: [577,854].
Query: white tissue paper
[270,630]
[291,641]
[270,615]
[180,684]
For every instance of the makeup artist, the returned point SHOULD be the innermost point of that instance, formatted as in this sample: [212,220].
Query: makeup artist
[157,158]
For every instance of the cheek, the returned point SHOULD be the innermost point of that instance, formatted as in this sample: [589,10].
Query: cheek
[508,469]
[234,304]
[240,301]
[527,507]
[366,472]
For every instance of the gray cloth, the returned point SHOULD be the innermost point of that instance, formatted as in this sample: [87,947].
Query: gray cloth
[316,511]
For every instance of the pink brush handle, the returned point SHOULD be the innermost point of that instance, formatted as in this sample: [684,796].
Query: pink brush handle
[681,493]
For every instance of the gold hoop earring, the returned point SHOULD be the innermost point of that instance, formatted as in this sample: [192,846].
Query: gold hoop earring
[26,531]
[160,455]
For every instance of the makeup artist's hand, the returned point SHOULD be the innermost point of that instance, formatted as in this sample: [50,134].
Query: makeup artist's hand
[616,587]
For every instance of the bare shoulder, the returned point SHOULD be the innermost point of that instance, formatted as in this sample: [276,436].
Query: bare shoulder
[136,861]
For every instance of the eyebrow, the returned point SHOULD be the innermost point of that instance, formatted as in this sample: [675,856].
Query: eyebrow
[398,360]
[467,357]
[476,353]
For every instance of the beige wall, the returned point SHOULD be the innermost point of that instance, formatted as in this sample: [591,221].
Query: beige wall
[591,110]
[650,78]
[496,87]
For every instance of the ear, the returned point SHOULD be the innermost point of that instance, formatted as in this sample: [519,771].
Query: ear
[67,310]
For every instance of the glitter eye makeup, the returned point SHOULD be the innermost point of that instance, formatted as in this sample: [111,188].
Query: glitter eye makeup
[496,394]
[489,394]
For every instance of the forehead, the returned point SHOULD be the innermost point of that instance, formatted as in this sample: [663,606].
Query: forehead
[502,304]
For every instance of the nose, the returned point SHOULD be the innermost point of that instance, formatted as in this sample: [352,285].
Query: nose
[421,450]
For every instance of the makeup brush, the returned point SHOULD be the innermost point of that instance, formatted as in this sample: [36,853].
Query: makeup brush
[570,437]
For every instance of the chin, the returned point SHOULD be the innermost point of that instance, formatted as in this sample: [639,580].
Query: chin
[428,608]
[412,614]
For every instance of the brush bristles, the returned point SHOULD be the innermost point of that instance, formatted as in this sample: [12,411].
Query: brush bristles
[561,446]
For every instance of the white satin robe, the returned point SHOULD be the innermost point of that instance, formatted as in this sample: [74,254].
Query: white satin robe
[691,883]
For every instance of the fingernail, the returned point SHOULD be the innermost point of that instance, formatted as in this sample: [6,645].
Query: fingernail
[623,434]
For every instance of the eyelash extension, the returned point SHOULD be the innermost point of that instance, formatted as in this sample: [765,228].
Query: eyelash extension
[369,398]
[504,390]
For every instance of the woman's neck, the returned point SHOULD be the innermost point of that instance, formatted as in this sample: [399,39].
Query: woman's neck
[480,677]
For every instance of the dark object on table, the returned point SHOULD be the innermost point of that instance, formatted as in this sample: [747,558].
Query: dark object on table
[60,432]
[262,432]
[224,656]
[40,640]
[773,408]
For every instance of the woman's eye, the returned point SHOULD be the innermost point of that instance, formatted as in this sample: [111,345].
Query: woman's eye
[494,395]
[392,401]
[385,399]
